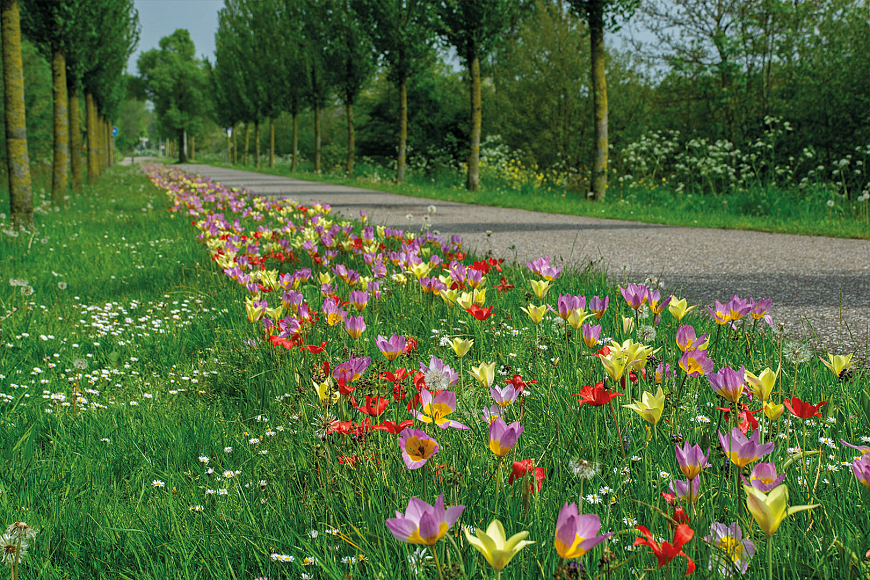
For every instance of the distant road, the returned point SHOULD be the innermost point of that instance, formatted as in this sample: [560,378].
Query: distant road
[819,286]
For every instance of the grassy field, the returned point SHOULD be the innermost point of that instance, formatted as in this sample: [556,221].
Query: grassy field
[153,425]
[765,209]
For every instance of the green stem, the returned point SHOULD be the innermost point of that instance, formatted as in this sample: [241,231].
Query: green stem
[437,563]
[770,558]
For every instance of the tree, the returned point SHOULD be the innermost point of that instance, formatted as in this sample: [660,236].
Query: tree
[20,193]
[175,82]
[316,37]
[403,33]
[474,27]
[601,14]
[293,67]
[232,102]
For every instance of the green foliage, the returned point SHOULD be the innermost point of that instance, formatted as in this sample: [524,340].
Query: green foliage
[476,27]
[351,48]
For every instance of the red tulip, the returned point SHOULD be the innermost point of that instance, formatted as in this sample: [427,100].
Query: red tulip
[518,383]
[393,427]
[596,396]
[665,552]
[521,468]
[504,286]
[314,349]
[745,420]
[802,409]
[374,407]
[480,313]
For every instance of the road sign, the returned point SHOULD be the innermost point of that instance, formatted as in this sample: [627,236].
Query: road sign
[114,131]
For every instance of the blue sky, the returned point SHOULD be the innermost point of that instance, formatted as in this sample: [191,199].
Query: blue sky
[161,18]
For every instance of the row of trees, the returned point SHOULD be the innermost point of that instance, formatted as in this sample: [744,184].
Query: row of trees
[280,55]
[87,43]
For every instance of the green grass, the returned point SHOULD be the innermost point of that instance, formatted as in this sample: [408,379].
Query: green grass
[766,209]
[158,323]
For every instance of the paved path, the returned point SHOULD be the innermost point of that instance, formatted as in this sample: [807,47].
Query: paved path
[820,286]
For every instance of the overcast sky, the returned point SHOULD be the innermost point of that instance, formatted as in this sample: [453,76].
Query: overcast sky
[161,18]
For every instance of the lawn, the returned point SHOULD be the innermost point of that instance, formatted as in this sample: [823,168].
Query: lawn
[198,384]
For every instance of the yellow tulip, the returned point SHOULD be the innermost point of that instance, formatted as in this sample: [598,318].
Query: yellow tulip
[770,509]
[576,318]
[465,300]
[679,308]
[772,410]
[400,279]
[634,355]
[461,346]
[838,363]
[275,313]
[253,312]
[325,278]
[650,406]
[476,284]
[495,546]
[627,324]
[761,385]
[449,296]
[536,313]
[420,270]
[614,366]
[540,288]
[326,394]
[485,373]
[479,296]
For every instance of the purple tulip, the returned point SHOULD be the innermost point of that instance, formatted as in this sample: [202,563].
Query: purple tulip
[599,306]
[764,477]
[733,550]
[687,340]
[391,348]
[636,295]
[728,383]
[568,304]
[691,459]
[503,437]
[542,268]
[355,326]
[759,310]
[861,469]
[417,447]
[591,334]
[423,523]
[576,534]
[685,490]
[359,299]
[742,450]
[504,396]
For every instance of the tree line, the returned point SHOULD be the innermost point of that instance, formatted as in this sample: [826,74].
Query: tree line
[87,43]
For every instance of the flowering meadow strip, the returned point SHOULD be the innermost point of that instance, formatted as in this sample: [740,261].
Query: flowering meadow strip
[394,410]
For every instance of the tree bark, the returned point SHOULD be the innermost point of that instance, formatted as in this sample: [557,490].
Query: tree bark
[472,182]
[92,138]
[351,140]
[107,133]
[235,150]
[271,143]
[60,161]
[182,154]
[317,139]
[294,163]
[247,145]
[257,144]
[75,139]
[595,12]
[193,147]
[403,129]
[18,162]
[111,135]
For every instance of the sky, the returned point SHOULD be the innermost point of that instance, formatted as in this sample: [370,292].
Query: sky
[160,18]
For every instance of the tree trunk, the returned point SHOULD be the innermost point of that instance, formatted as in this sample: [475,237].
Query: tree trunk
[403,130]
[235,150]
[317,139]
[472,182]
[75,139]
[229,149]
[111,136]
[351,140]
[107,142]
[294,163]
[60,162]
[193,147]
[182,154]
[20,190]
[92,138]
[271,143]
[247,145]
[595,14]
[257,144]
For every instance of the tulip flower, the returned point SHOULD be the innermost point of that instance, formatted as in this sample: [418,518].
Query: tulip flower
[696,363]
[351,370]
[479,313]
[465,300]
[656,305]
[738,308]
[420,270]
[742,450]
[484,373]
[575,534]
[685,490]
[495,546]
[374,407]
[519,469]
[536,313]
[802,409]
[520,384]
[576,318]
[450,296]
[627,324]
[355,326]
[734,550]
[504,396]
[568,303]
[391,348]
[417,448]
[759,310]
[746,420]
[542,268]
[666,551]
[540,288]
[686,339]
[862,448]
[762,384]
[596,396]
[314,349]
[599,306]
[479,296]
[691,459]
[438,375]
[838,363]
[679,309]
[591,334]
[861,469]
[663,373]
[393,427]
[503,437]
[255,309]
[650,406]
[728,383]
[326,394]
[423,523]
[359,299]
[436,409]
[770,510]
[492,413]
[636,295]
[772,410]
[461,346]
[764,477]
